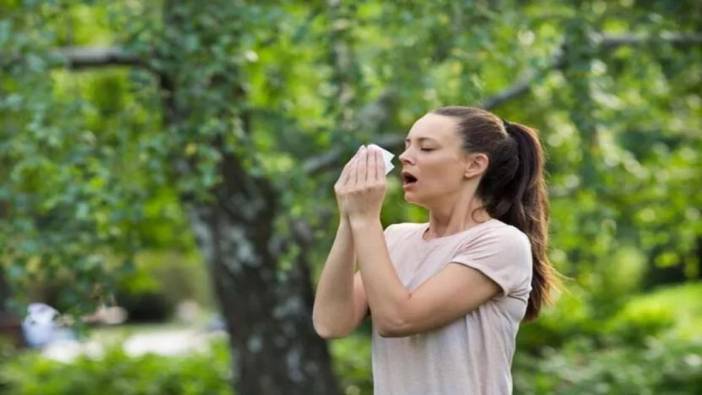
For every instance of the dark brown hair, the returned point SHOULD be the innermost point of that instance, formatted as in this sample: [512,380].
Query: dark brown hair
[513,187]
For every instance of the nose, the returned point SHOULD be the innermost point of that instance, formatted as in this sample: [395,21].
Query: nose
[404,157]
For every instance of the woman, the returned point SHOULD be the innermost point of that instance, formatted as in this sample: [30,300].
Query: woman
[446,297]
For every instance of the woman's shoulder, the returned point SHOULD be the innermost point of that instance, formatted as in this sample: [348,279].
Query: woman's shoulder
[502,233]
[506,228]
[403,227]
[493,232]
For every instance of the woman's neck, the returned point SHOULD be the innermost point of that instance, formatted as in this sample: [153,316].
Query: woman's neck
[456,218]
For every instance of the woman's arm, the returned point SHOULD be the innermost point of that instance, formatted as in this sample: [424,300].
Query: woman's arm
[396,311]
[453,292]
[340,303]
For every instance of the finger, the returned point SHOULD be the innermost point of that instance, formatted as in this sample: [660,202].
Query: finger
[362,171]
[372,165]
[353,169]
[379,165]
[347,172]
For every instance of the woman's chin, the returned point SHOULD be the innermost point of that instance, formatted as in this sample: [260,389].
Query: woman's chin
[409,198]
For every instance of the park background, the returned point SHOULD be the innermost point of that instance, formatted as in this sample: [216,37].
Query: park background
[162,154]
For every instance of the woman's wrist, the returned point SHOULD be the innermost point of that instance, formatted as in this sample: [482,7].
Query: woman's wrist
[361,223]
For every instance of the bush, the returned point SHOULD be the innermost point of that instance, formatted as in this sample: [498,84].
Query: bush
[635,325]
[652,345]
[116,373]
[663,366]
[677,308]
[352,364]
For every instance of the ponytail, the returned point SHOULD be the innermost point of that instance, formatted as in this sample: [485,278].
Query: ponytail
[513,187]
[527,209]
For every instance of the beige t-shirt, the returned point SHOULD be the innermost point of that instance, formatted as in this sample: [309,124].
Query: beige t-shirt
[472,355]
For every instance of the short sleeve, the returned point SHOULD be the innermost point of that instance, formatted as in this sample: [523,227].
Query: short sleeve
[387,229]
[388,232]
[503,255]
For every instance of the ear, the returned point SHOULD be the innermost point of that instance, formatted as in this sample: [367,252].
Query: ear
[476,165]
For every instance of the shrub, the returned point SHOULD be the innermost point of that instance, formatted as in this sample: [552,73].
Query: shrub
[352,364]
[635,325]
[662,366]
[652,345]
[116,373]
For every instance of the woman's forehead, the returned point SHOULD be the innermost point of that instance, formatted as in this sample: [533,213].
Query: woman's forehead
[433,127]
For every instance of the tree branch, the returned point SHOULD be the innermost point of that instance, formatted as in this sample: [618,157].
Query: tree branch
[87,57]
[607,42]
[394,141]
[522,87]
[84,57]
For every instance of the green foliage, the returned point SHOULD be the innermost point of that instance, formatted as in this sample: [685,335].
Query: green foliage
[351,356]
[671,311]
[636,326]
[99,160]
[652,345]
[678,309]
[660,366]
[116,373]
[102,163]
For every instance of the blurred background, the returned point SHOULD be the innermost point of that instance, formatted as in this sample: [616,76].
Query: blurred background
[167,172]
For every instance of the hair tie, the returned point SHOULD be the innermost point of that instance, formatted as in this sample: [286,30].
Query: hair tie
[506,124]
[511,132]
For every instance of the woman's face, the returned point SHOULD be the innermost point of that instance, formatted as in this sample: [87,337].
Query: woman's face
[434,157]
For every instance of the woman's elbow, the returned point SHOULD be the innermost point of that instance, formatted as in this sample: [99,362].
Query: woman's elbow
[327,332]
[393,328]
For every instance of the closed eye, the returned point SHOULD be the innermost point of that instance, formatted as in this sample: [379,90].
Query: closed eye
[422,149]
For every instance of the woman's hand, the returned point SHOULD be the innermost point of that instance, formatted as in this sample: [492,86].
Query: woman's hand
[361,187]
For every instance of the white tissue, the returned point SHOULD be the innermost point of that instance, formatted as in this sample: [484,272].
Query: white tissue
[387,157]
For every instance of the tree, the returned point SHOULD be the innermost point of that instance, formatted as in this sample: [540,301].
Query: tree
[243,112]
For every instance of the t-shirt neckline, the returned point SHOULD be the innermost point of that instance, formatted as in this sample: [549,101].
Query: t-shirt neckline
[425,227]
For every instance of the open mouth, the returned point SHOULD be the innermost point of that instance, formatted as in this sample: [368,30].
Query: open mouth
[408,179]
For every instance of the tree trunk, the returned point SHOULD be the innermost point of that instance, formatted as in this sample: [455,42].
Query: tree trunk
[267,310]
